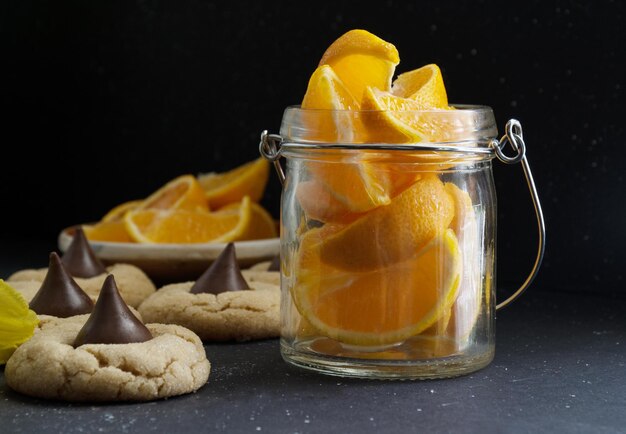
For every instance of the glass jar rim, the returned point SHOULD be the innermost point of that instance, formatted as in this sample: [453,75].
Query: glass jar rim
[466,126]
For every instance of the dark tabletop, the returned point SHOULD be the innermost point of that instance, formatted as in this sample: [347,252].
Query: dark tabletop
[560,366]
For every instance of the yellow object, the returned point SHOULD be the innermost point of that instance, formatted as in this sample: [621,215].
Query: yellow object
[261,225]
[110,231]
[392,233]
[424,86]
[361,59]
[326,91]
[328,96]
[182,193]
[17,321]
[117,213]
[181,226]
[378,306]
[246,180]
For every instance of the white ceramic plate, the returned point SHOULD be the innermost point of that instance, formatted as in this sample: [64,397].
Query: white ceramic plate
[175,262]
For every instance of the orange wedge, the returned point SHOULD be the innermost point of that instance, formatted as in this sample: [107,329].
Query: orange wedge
[328,96]
[424,86]
[111,231]
[319,203]
[326,91]
[361,59]
[392,233]
[118,212]
[261,225]
[467,307]
[182,226]
[182,193]
[246,180]
[379,306]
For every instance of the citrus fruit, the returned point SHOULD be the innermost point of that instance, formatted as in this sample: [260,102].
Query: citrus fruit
[17,321]
[111,231]
[377,306]
[393,119]
[424,86]
[319,203]
[467,307]
[246,180]
[183,193]
[328,97]
[327,91]
[182,226]
[392,233]
[261,225]
[361,59]
[353,183]
[118,212]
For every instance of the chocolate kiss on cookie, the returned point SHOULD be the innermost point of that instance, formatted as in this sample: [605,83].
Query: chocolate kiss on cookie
[275,264]
[111,321]
[80,260]
[59,295]
[222,276]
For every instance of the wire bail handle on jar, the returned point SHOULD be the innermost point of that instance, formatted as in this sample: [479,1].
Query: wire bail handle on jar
[270,148]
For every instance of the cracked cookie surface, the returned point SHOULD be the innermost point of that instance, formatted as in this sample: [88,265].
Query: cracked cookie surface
[233,315]
[259,273]
[133,284]
[48,366]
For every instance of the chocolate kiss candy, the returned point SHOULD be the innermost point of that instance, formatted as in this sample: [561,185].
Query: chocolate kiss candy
[275,264]
[222,276]
[59,295]
[80,260]
[111,321]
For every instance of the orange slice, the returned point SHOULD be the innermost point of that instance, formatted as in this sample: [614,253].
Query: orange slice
[183,193]
[381,306]
[392,233]
[182,226]
[118,212]
[354,184]
[319,203]
[424,86]
[467,307]
[246,180]
[326,91]
[261,226]
[110,231]
[393,119]
[361,59]
[328,96]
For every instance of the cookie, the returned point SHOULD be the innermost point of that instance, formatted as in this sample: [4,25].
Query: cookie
[261,273]
[233,315]
[48,366]
[133,283]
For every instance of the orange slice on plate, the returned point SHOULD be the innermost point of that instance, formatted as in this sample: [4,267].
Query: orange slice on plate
[182,193]
[118,212]
[261,226]
[182,226]
[110,231]
[246,180]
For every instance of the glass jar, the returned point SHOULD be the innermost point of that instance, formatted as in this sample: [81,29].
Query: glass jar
[388,249]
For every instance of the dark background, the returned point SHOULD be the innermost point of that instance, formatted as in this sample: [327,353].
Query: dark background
[106,101]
